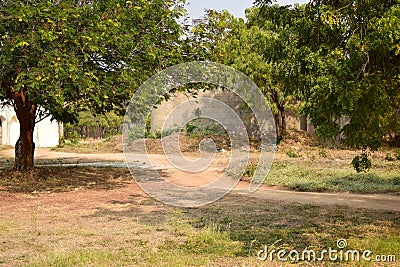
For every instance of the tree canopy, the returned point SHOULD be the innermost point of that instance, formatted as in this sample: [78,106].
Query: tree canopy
[60,57]
[338,61]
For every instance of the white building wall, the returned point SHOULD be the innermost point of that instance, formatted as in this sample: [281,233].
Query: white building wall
[3,129]
[13,131]
[45,134]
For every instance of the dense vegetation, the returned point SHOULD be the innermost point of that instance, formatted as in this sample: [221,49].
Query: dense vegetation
[337,62]
[71,56]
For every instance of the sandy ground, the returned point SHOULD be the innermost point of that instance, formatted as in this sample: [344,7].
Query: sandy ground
[389,202]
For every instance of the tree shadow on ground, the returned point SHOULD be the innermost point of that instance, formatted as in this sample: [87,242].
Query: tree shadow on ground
[63,179]
[257,222]
[140,208]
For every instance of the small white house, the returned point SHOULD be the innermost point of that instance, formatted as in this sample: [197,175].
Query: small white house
[46,133]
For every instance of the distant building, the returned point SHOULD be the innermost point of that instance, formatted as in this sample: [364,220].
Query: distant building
[46,133]
[164,110]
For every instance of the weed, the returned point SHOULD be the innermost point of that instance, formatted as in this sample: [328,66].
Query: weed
[250,169]
[292,153]
[397,154]
[389,157]
[190,128]
[323,153]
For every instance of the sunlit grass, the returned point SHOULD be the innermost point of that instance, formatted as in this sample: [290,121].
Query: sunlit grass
[230,233]
[338,177]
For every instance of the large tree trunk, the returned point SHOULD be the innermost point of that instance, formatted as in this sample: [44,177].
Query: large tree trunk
[25,147]
[24,152]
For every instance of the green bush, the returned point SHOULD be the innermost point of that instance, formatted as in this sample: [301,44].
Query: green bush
[397,154]
[190,128]
[389,157]
[361,163]
[323,153]
[135,134]
[291,153]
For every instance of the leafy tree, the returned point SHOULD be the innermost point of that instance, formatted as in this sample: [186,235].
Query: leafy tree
[349,75]
[94,125]
[60,57]
[264,48]
[358,76]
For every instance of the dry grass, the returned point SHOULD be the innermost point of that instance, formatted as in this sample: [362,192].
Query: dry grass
[99,217]
[61,179]
[92,146]
[108,229]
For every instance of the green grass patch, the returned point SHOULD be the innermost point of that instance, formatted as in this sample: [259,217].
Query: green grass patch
[193,247]
[336,177]
[301,226]
[229,232]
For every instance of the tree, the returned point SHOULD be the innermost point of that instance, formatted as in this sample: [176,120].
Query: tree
[349,82]
[264,48]
[357,77]
[59,57]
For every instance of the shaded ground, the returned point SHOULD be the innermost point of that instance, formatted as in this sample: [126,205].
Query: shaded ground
[70,178]
[122,226]
[73,216]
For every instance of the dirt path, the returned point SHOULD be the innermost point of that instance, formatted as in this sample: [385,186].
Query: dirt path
[389,202]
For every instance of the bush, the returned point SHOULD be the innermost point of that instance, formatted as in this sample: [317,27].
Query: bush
[291,153]
[190,128]
[135,134]
[323,153]
[397,154]
[361,163]
[389,157]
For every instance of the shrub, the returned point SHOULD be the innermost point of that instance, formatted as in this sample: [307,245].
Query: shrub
[361,163]
[389,157]
[323,153]
[291,153]
[397,154]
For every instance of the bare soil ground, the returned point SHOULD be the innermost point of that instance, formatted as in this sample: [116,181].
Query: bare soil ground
[100,216]
[175,176]
[36,228]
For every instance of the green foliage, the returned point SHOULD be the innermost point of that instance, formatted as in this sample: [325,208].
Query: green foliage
[389,157]
[215,129]
[362,163]
[248,47]
[397,154]
[393,156]
[292,153]
[322,153]
[135,134]
[250,169]
[190,128]
[62,57]
[94,126]
[358,73]
[165,132]
[68,55]
[342,64]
